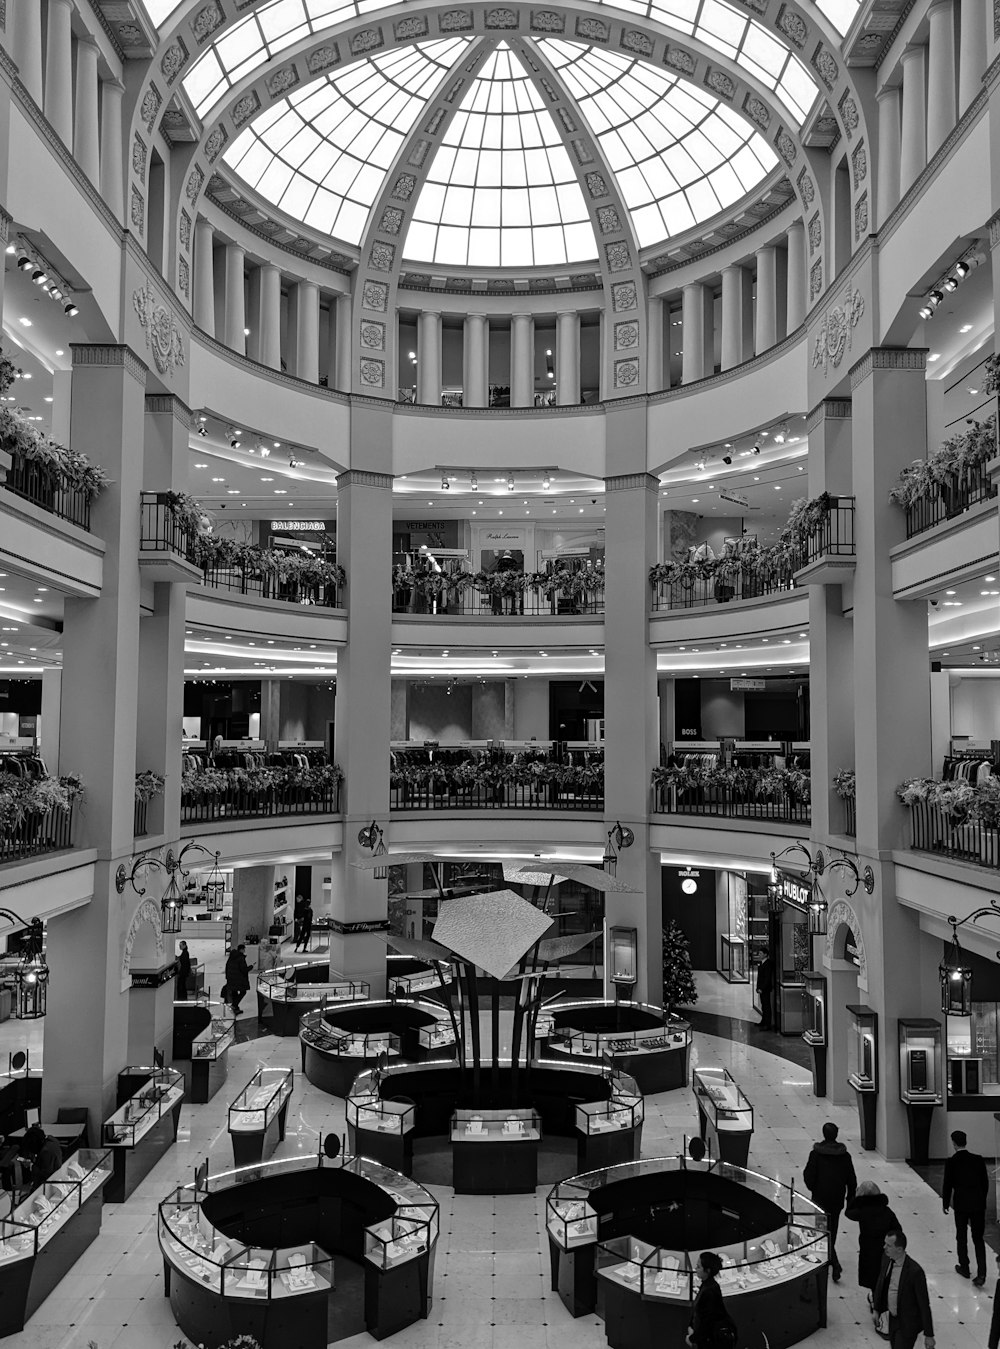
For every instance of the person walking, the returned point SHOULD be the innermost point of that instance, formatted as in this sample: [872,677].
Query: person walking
[297,919]
[237,977]
[183,971]
[994,1338]
[966,1189]
[711,1326]
[870,1210]
[901,1290]
[830,1180]
[765,991]
[305,927]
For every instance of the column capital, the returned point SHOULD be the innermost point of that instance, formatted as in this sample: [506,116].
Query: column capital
[940,4]
[632,482]
[85,42]
[6,220]
[575,313]
[112,86]
[168,405]
[105,354]
[888,91]
[356,477]
[888,358]
[914,49]
[829,410]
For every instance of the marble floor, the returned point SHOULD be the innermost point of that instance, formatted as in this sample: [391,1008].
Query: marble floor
[491,1277]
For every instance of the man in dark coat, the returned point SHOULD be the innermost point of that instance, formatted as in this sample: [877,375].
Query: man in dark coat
[901,1290]
[710,1325]
[237,977]
[966,1188]
[830,1179]
[183,971]
[765,991]
[870,1210]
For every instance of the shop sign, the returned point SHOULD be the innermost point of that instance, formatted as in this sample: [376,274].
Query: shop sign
[748,685]
[301,526]
[154,978]
[793,890]
[352,929]
[689,880]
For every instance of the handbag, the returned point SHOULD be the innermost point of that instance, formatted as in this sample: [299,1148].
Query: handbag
[880,1320]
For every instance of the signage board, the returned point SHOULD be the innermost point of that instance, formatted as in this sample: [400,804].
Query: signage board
[747,685]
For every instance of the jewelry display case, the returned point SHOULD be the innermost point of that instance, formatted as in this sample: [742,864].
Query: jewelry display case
[410,1232]
[257,1116]
[921,1079]
[415,982]
[143,1128]
[495,1151]
[437,1037]
[814,1019]
[863,1066]
[285,992]
[648,1043]
[724,1113]
[733,958]
[210,1059]
[610,1130]
[382,1130]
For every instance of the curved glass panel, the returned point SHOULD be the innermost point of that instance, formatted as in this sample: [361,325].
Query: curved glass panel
[679,156]
[322,154]
[501,191]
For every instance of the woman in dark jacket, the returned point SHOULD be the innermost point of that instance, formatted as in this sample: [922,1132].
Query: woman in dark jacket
[711,1326]
[870,1210]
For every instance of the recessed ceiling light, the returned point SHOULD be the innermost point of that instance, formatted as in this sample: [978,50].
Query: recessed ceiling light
[965,328]
[989,578]
[953,592]
[934,356]
[280,492]
[218,480]
[26,323]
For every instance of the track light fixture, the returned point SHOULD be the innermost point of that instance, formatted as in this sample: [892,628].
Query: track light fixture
[546,483]
[202,430]
[926,312]
[510,482]
[935,297]
[727,458]
[38,276]
[24,263]
[474,482]
[70,309]
[445,484]
[962,270]
[951,283]
[947,283]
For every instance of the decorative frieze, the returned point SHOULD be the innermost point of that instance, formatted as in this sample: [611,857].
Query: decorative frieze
[888,358]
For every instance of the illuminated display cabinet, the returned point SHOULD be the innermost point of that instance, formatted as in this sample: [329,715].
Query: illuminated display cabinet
[814,1019]
[724,1113]
[862,1066]
[921,1079]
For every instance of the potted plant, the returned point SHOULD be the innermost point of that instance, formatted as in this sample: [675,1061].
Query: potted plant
[844,784]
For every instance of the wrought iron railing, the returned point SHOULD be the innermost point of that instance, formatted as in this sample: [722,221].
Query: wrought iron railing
[737,581]
[238,804]
[139,818]
[44,486]
[162,529]
[833,534]
[531,602]
[49,832]
[950,499]
[850,816]
[326,594]
[727,803]
[935,831]
[487,796]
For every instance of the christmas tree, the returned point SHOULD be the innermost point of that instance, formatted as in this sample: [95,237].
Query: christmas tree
[678,977]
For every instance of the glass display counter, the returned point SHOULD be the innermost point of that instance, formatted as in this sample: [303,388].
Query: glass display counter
[657,1056]
[724,1113]
[814,1019]
[965,1071]
[862,1066]
[226,1278]
[412,984]
[382,1130]
[47,1232]
[210,1059]
[920,1079]
[437,1037]
[733,960]
[610,1131]
[285,992]
[143,1128]
[495,1151]
[257,1116]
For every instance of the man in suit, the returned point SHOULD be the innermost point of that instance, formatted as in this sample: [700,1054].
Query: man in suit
[966,1188]
[901,1290]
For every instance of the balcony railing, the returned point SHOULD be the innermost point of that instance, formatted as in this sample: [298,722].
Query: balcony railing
[728,803]
[850,816]
[833,534]
[935,831]
[439,795]
[163,529]
[465,600]
[50,832]
[236,804]
[729,581]
[139,819]
[327,595]
[44,486]
[951,499]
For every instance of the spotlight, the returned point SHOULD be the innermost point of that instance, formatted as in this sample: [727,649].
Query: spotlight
[38,276]
[445,484]
[962,269]
[546,483]
[934,298]
[234,443]
[291,461]
[202,431]
[756,447]
[474,484]
[70,309]
[265,453]
[510,482]
[727,458]
[779,435]
[24,262]
[951,283]
[926,312]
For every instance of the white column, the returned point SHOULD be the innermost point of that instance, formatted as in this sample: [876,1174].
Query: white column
[204,277]
[971,51]
[429,358]
[568,359]
[270,316]
[475,361]
[62,393]
[112,177]
[307,332]
[693,332]
[654,345]
[59,68]
[522,361]
[236,317]
[28,44]
[766,323]
[48,740]
[86,127]
[343,355]
[732,317]
[796,299]
[941,93]
[888,152]
[913,138]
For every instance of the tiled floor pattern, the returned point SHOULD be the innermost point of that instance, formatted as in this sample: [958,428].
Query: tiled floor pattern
[491,1276]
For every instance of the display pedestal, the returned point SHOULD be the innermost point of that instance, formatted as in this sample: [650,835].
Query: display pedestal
[610,1148]
[866,1117]
[731,1145]
[133,1164]
[573,1277]
[819,1070]
[257,1145]
[499,1166]
[918,1118]
[382,1145]
[26,1284]
[398,1296]
[204,1077]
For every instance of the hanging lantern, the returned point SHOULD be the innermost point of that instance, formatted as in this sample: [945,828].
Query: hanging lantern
[215,888]
[955,974]
[32,990]
[818,910]
[171,906]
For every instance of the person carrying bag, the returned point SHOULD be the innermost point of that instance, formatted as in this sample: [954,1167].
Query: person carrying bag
[711,1326]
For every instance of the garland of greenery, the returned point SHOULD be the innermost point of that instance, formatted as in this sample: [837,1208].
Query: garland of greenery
[481,770]
[844,784]
[776,560]
[443,586]
[748,784]
[24,799]
[949,466]
[189,513]
[20,437]
[212,553]
[964,801]
[315,783]
[147,785]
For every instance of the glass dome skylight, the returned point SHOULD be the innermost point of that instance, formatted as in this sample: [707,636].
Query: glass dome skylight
[501,191]
[679,156]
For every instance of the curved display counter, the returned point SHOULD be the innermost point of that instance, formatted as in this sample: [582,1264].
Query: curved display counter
[254,1252]
[338,1042]
[655,1218]
[285,992]
[638,1038]
[602,1111]
[408,977]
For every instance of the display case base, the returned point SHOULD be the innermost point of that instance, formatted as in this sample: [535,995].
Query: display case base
[395,1150]
[866,1118]
[132,1165]
[254,1146]
[573,1278]
[204,1077]
[918,1119]
[594,1151]
[499,1167]
[395,1298]
[730,1145]
[212,1321]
